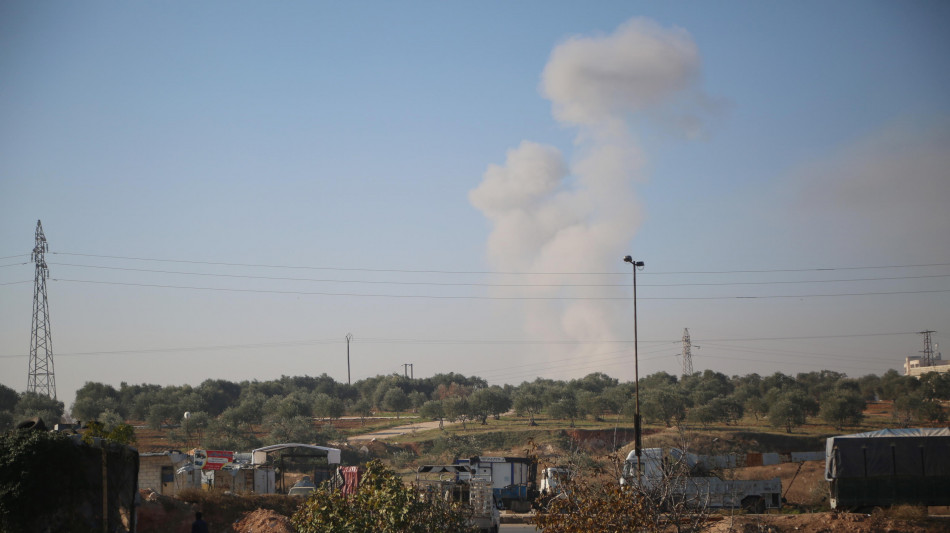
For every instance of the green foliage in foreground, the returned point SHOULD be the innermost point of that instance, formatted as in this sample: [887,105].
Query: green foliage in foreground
[38,471]
[382,504]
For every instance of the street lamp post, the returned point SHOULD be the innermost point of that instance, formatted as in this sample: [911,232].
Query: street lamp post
[637,443]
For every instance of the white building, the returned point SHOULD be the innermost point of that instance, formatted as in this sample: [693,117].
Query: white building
[916,366]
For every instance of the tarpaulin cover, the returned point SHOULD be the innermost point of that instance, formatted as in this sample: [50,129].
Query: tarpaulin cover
[889,452]
[351,479]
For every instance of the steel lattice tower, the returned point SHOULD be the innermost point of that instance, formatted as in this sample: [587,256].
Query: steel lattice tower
[687,354]
[41,379]
[928,350]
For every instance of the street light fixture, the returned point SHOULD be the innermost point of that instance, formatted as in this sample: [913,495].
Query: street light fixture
[637,443]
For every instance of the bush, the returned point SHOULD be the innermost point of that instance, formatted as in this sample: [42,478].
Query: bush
[36,469]
[381,504]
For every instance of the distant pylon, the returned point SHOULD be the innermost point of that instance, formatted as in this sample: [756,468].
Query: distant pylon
[928,350]
[687,354]
[41,379]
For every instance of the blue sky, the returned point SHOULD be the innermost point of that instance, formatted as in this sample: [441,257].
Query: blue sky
[753,137]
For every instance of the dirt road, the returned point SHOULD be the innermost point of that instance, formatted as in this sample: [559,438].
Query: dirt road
[415,425]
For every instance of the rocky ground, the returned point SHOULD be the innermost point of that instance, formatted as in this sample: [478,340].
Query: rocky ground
[829,522]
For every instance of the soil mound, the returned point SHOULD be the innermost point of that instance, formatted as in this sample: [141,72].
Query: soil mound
[264,521]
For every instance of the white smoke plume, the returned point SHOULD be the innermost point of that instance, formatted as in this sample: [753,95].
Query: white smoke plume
[550,215]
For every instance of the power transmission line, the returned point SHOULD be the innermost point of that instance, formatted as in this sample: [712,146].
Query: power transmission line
[467,342]
[41,378]
[434,271]
[477,297]
[445,284]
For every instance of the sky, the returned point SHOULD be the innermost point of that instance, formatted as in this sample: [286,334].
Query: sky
[228,189]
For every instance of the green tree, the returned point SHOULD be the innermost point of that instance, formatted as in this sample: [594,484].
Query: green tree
[32,405]
[381,504]
[457,408]
[842,408]
[417,398]
[363,408]
[325,406]
[564,408]
[787,412]
[661,404]
[198,422]
[395,400]
[94,398]
[8,401]
[297,429]
[935,385]
[916,407]
[757,406]
[121,433]
[528,402]
[433,409]
[491,400]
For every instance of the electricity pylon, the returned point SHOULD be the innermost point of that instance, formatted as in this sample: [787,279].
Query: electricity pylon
[687,354]
[41,379]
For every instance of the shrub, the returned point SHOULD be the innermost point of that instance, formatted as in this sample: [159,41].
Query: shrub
[381,504]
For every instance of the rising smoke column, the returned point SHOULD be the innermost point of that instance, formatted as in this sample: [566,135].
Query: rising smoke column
[551,215]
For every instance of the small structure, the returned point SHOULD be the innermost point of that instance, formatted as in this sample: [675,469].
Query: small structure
[319,462]
[157,471]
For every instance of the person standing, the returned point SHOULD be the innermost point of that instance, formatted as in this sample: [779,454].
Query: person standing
[199,525]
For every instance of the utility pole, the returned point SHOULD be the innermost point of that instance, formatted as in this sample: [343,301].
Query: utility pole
[928,350]
[687,354]
[349,337]
[41,378]
[637,441]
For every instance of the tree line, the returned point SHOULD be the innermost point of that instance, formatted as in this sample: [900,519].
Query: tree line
[234,415]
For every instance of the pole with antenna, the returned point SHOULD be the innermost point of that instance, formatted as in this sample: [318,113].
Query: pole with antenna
[349,337]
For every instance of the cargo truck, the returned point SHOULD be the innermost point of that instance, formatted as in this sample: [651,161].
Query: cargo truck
[690,479]
[512,479]
[456,484]
[888,467]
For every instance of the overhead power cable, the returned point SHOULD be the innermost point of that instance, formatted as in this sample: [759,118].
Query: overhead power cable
[346,269]
[443,284]
[476,297]
[510,342]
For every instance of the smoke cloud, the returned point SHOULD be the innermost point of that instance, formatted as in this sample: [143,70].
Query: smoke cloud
[554,215]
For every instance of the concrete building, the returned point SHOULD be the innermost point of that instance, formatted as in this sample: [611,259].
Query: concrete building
[917,366]
[157,471]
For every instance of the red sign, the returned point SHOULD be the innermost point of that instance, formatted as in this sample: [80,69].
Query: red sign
[213,459]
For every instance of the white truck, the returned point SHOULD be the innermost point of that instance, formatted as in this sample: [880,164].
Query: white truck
[552,479]
[455,483]
[689,479]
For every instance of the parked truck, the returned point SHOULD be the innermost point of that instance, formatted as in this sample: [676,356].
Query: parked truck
[455,483]
[691,479]
[552,485]
[512,479]
[888,467]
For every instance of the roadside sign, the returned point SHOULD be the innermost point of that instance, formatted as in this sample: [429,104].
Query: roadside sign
[213,459]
